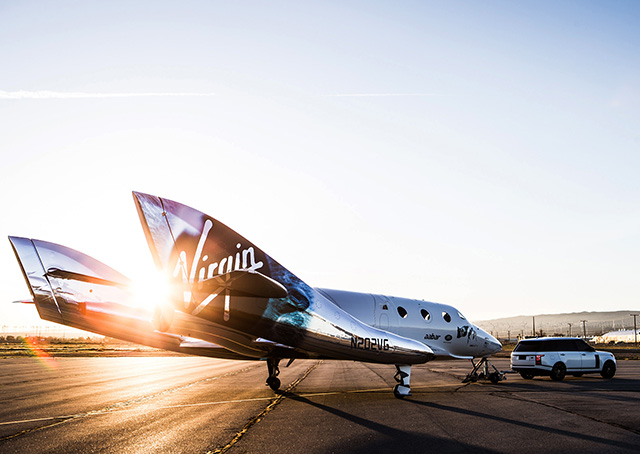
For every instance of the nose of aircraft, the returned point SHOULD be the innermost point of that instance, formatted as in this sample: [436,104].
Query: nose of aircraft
[491,344]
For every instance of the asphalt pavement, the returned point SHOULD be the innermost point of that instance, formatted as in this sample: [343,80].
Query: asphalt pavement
[202,405]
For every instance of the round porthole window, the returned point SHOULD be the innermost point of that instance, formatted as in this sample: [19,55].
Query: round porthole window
[425,314]
[446,317]
[402,312]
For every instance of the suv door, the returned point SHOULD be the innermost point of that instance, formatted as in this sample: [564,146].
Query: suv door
[589,359]
[569,353]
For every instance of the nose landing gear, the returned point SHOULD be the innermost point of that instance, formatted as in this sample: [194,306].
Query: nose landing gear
[484,374]
[402,376]
[273,381]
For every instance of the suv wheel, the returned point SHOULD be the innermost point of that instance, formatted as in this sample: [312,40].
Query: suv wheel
[608,370]
[558,371]
[526,375]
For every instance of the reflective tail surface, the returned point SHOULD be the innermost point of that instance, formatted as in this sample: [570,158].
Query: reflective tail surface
[74,289]
[196,250]
[63,281]
[222,277]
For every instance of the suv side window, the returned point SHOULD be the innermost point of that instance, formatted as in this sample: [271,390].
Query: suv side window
[544,346]
[567,345]
[582,346]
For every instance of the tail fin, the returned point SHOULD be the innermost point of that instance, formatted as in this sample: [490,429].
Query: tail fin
[35,275]
[180,236]
[62,280]
[73,289]
[197,250]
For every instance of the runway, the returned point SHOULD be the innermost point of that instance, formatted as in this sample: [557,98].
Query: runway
[200,405]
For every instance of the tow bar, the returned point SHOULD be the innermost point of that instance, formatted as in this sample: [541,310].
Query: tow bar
[484,374]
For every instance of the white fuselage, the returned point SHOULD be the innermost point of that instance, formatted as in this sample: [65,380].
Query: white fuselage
[439,326]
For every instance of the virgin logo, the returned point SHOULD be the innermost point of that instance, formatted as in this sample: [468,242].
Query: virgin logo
[202,267]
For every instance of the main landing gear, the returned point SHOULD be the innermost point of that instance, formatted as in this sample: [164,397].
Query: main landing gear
[484,374]
[402,376]
[273,381]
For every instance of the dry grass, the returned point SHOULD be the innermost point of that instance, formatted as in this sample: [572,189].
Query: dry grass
[74,348]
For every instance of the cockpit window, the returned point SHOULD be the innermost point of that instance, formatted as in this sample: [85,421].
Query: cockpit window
[461,316]
[446,317]
[402,312]
[425,314]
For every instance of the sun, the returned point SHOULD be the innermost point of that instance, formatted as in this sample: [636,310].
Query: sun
[150,289]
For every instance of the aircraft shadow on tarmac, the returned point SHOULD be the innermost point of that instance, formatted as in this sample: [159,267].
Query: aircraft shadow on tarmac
[526,425]
[388,439]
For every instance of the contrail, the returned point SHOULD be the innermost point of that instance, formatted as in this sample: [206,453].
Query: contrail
[374,95]
[22,94]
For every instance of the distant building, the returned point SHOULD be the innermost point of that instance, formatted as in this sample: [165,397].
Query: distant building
[617,336]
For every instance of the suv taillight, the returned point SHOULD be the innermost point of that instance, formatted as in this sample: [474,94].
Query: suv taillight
[539,359]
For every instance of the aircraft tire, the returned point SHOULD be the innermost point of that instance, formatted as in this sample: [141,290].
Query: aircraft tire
[397,394]
[273,383]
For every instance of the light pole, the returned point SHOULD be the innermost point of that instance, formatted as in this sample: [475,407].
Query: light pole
[635,330]
[584,328]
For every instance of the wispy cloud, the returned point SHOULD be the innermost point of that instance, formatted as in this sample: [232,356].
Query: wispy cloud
[380,95]
[22,94]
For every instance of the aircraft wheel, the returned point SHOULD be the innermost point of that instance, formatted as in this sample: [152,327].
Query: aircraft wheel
[558,371]
[401,393]
[494,377]
[273,383]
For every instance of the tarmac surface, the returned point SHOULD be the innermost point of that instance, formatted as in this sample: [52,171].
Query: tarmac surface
[201,405]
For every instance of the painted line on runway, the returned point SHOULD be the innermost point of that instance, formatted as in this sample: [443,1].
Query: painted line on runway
[50,418]
[111,408]
[328,393]
[124,406]
[267,409]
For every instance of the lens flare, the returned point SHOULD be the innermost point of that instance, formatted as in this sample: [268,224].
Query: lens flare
[32,345]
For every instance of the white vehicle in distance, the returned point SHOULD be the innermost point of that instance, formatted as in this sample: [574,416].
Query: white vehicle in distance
[558,356]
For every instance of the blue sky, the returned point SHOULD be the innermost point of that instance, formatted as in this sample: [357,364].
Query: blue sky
[480,154]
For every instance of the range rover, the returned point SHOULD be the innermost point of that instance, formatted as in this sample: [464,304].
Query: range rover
[557,356]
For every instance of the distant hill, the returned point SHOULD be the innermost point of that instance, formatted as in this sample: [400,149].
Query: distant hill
[597,323]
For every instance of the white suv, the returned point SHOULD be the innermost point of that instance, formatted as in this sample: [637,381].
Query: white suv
[558,356]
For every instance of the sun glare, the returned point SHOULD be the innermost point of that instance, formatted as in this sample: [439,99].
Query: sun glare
[150,290]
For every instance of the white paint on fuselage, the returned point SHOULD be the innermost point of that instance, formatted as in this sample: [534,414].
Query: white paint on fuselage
[439,326]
